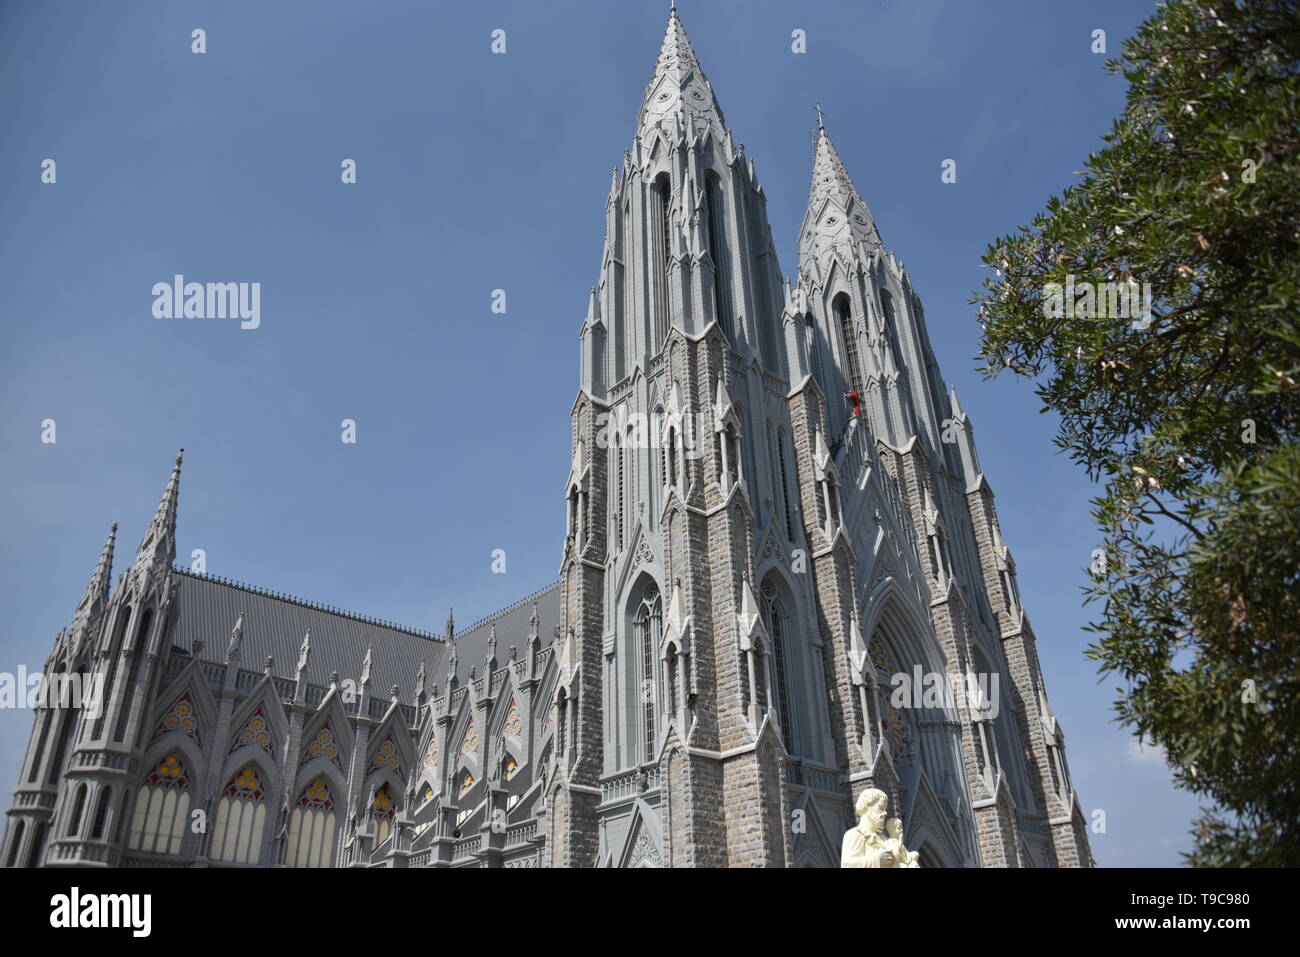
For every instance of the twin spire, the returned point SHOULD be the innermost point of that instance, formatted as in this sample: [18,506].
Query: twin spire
[679,94]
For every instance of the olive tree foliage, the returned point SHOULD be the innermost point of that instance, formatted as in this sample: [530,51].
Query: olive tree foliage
[1185,416]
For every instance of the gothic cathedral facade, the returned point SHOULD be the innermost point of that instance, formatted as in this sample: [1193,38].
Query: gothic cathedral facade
[782,582]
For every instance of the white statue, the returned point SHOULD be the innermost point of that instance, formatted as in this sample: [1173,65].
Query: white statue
[902,856]
[868,845]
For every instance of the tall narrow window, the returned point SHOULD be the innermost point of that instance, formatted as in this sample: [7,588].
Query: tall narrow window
[119,626]
[241,816]
[717,232]
[74,822]
[69,721]
[46,719]
[649,630]
[16,843]
[38,845]
[785,485]
[620,491]
[844,317]
[774,612]
[133,666]
[663,194]
[101,813]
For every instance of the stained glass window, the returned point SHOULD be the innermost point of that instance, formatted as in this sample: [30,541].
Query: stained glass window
[161,808]
[241,818]
[469,745]
[312,827]
[324,744]
[170,773]
[513,726]
[386,758]
[385,811]
[466,783]
[256,731]
[316,796]
[182,718]
[512,766]
[431,754]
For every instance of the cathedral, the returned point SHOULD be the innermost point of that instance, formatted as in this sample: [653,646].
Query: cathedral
[776,525]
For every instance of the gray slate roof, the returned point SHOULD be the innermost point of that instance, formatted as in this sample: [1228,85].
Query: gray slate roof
[512,629]
[274,625]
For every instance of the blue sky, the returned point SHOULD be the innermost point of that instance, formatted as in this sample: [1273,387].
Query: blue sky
[476,172]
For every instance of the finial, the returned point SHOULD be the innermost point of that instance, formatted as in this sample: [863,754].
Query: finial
[821,125]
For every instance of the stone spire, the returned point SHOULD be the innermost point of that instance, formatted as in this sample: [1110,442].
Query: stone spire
[837,215]
[678,91]
[157,549]
[97,590]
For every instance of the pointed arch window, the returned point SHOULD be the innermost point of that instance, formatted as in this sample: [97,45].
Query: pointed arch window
[162,808]
[648,631]
[785,484]
[133,667]
[385,810]
[777,626]
[119,627]
[312,827]
[716,223]
[46,717]
[663,197]
[101,814]
[78,805]
[241,818]
[852,358]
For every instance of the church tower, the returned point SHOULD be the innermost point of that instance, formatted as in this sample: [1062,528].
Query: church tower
[674,699]
[70,796]
[775,510]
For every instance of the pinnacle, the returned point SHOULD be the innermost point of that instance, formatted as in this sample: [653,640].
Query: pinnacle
[675,53]
[831,184]
[678,93]
[161,535]
[829,176]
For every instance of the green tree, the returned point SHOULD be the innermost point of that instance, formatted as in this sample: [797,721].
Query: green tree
[1187,418]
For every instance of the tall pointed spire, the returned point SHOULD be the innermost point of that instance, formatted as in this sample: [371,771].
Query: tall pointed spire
[678,88]
[837,214]
[96,595]
[101,578]
[158,547]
